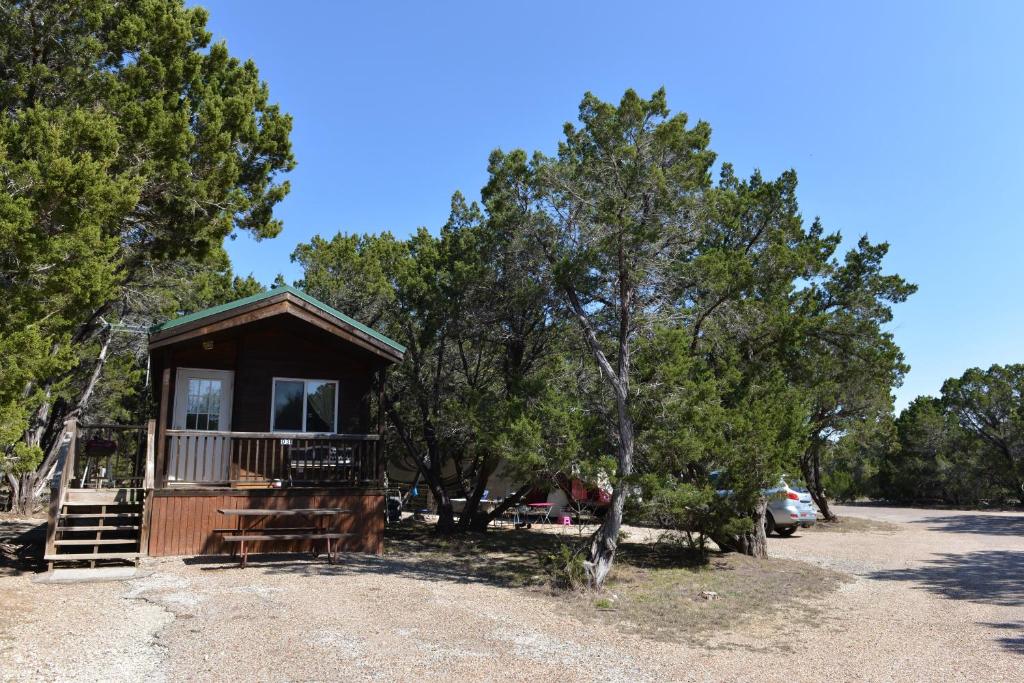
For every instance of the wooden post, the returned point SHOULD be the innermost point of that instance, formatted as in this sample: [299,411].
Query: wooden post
[148,483]
[148,479]
[160,471]
[380,400]
[379,446]
[64,471]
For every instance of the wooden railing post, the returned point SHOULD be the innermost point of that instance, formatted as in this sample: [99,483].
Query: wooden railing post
[148,479]
[378,461]
[160,471]
[378,448]
[148,484]
[63,474]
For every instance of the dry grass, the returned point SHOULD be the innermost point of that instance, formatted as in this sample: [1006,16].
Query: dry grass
[687,603]
[655,589]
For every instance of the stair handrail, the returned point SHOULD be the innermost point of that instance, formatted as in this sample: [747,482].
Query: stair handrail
[64,471]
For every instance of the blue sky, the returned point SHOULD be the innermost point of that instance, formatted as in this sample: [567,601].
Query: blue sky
[903,120]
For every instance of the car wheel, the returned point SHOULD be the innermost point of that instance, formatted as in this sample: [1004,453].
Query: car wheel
[787,532]
[769,524]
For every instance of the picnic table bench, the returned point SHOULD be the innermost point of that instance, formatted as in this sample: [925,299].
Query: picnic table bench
[257,530]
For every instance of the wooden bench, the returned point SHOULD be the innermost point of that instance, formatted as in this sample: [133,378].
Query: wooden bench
[267,535]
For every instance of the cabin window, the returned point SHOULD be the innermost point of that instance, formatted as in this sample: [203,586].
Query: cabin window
[202,408]
[304,405]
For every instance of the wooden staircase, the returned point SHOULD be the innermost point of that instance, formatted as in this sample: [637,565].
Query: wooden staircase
[105,522]
[97,524]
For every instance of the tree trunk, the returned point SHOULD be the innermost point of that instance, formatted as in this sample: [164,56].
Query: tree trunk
[482,521]
[445,517]
[605,540]
[17,504]
[31,484]
[472,518]
[753,542]
[810,467]
[473,496]
[603,543]
[429,468]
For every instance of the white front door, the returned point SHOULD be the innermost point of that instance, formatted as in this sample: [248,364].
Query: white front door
[202,403]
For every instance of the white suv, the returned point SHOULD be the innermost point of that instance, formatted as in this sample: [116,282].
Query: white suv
[788,509]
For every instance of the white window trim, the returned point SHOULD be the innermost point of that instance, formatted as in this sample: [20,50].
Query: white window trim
[304,380]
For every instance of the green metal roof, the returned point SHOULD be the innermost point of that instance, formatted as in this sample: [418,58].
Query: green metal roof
[280,289]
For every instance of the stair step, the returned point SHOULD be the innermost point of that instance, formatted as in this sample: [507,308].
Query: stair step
[119,504]
[95,541]
[103,496]
[97,515]
[126,527]
[92,556]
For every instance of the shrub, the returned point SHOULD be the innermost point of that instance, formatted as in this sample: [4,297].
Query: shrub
[564,568]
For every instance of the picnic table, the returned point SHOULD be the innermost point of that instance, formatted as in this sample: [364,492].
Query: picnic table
[521,513]
[251,525]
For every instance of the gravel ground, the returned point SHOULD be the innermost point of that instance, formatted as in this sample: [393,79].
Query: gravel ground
[939,598]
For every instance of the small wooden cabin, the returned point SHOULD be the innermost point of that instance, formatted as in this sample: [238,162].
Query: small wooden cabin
[263,402]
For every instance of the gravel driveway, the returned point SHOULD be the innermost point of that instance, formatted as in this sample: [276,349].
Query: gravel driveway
[938,596]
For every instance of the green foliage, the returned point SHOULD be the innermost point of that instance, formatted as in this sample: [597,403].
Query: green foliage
[850,466]
[479,386]
[564,568]
[690,509]
[989,406]
[130,147]
[964,448]
[712,317]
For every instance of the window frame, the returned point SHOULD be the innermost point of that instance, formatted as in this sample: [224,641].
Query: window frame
[305,403]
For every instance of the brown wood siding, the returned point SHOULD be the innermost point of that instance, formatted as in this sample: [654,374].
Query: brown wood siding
[281,346]
[183,520]
[302,353]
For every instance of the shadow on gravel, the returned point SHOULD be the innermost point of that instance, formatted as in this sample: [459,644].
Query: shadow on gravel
[507,558]
[21,546]
[1014,640]
[993,577]
[990,525]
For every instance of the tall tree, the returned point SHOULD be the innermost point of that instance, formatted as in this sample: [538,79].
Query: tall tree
[848,363]
[128,140]
[610,212]
[736,299]
[989,405]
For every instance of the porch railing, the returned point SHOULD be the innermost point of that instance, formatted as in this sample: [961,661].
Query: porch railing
[271,459]
[108,456]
